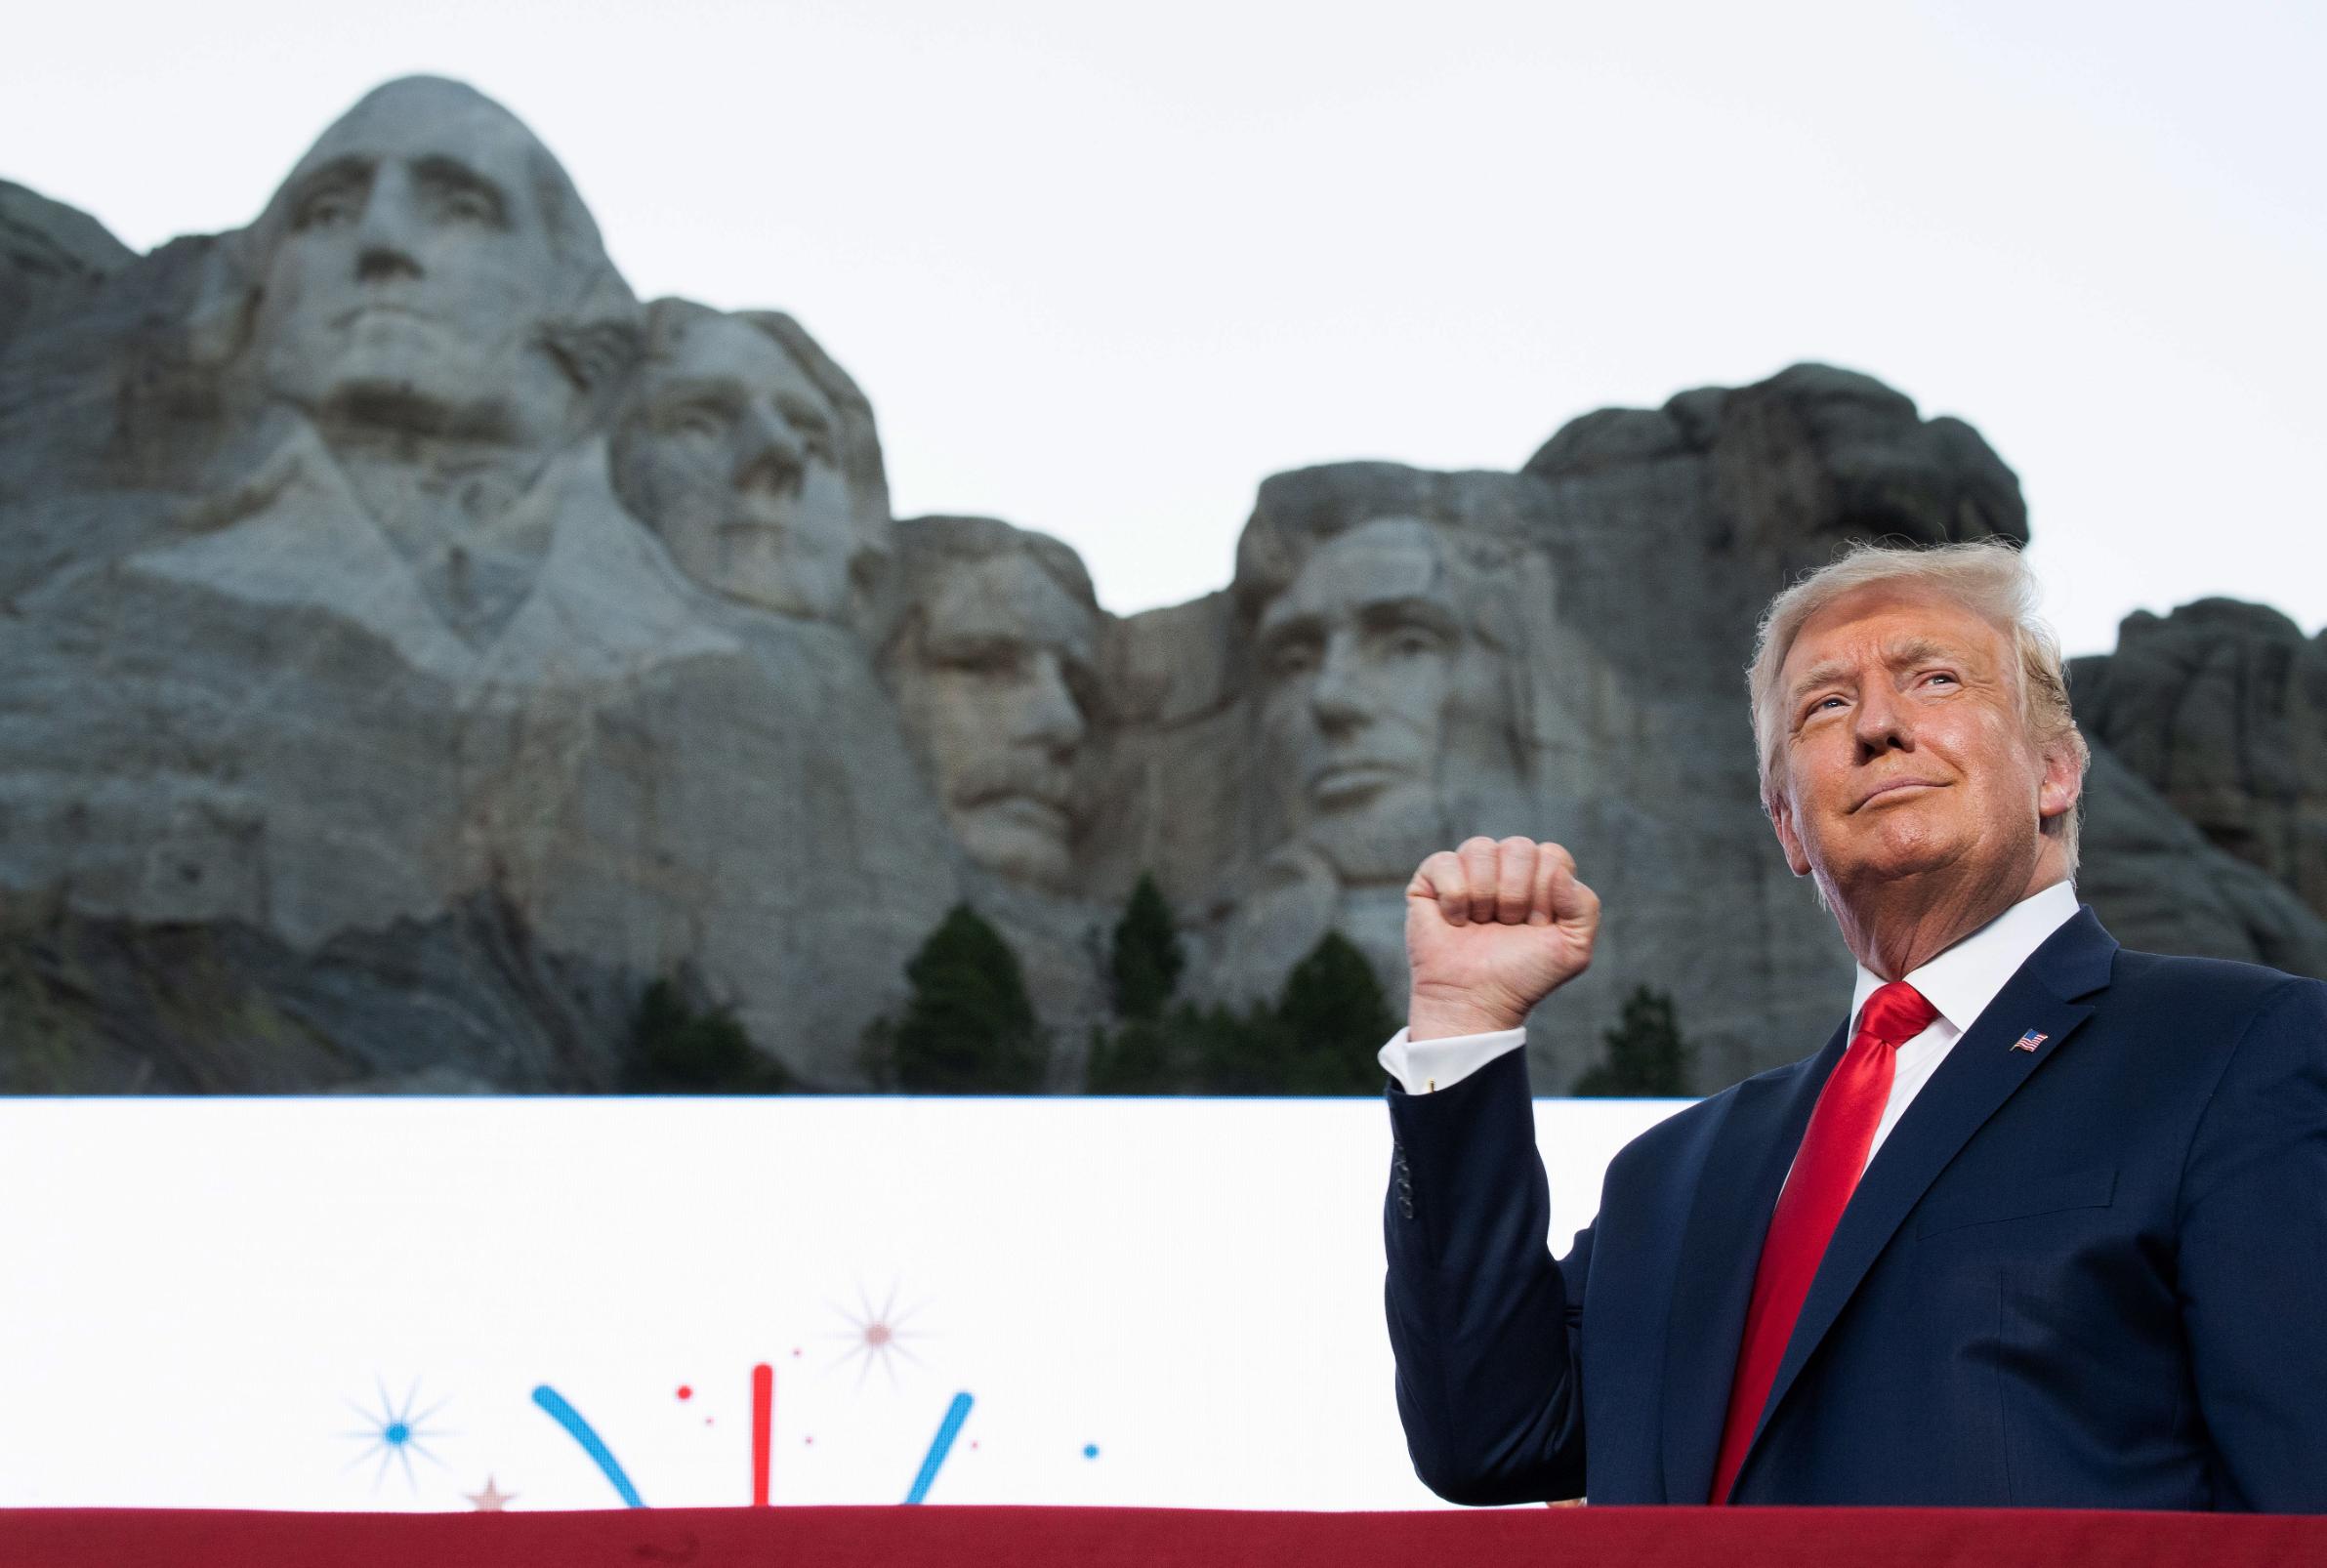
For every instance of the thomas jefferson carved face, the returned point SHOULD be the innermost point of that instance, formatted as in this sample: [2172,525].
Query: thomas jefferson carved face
[413,267]
[1368,664]
[731,450]
[992,685]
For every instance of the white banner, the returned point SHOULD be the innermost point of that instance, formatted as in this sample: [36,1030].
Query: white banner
[421,1303]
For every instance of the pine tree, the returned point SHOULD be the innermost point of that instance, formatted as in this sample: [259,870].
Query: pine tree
[1144,1056]
[1647,1060]
[1319,1038]
[677,1048]
[968,1026]
[1144,963]
[1334,1018]
[1232,1053]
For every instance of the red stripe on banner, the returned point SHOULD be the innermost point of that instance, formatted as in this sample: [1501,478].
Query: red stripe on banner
[1155,1538]
[763,1430]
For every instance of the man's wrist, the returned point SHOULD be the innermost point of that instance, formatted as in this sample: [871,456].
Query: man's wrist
[1443,1019]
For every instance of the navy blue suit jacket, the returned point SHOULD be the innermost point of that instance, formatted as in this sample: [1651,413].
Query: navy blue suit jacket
[2090,1275]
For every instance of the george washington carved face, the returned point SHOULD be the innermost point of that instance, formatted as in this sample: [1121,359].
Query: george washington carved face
[417,266]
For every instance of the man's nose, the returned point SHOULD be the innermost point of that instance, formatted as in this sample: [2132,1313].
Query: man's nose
[1053,718]
[1880,721]
[770,455]
[385,245]
[1338,699]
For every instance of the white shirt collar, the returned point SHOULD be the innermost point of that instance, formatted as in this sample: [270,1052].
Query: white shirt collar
[1965,978]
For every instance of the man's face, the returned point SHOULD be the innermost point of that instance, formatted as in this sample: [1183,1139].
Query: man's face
[991,694]
[732,452]
[1362,658]
[1904,750]
[414,271]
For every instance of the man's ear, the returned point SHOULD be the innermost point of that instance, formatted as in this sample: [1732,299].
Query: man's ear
[2063,780]
[1781,817]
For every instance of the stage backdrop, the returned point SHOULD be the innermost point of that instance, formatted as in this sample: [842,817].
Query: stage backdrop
[389,1303]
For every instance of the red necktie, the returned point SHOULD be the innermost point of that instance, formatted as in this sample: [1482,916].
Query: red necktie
[1826,1170]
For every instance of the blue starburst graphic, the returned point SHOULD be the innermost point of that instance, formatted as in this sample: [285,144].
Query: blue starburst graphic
[395,1433]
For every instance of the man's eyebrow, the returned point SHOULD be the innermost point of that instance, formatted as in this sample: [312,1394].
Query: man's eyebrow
[799,411]
[1382,612]
[453,171]
[1820,674]
[339,170]
[973,641]
[684,390]
[1896,654]
[1277,621]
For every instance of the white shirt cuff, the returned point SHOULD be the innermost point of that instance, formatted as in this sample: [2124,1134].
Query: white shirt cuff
[1424,1066]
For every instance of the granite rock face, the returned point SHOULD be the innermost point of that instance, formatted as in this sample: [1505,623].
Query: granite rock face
[51,257]
[327,627]
[412,648]
[1414,657]
[2158,884]
[2222,709]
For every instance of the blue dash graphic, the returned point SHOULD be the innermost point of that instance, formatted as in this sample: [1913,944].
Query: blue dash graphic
[565,1416]
[939,1445]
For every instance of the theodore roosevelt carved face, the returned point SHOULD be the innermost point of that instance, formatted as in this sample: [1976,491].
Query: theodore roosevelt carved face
[992,666]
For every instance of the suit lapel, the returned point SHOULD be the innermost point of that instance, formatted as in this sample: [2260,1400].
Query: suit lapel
[1978,1076]
[1736,1190]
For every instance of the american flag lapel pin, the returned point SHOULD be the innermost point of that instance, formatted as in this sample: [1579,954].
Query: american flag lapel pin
[2030,1041]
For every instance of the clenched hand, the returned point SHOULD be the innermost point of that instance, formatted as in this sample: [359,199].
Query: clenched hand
[1492,928]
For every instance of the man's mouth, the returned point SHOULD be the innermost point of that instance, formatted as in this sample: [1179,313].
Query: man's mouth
[374,309]
[1027,811]
[753,530]
[1339,783]
[1896,789]
[1041,804]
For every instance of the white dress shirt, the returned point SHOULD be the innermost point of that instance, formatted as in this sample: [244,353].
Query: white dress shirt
[1960,983]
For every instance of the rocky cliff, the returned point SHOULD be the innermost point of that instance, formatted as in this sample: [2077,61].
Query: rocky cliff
[412,647]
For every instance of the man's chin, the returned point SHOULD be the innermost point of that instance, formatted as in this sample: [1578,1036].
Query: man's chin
[1892,864]
[1020,840]
[765,564]
[1380,838]
[421,399]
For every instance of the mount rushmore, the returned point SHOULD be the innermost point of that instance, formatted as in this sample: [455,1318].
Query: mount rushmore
[413,647]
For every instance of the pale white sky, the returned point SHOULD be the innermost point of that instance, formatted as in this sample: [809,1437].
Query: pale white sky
[1104,268]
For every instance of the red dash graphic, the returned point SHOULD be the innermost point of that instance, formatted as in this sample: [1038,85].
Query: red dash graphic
[763,1430]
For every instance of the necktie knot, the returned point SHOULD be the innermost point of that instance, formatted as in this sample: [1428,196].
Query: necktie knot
[1895,1013]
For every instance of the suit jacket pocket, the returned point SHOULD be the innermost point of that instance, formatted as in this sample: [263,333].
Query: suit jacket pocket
[2076,1189]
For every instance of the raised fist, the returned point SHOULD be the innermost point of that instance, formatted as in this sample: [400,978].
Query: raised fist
[1492,928]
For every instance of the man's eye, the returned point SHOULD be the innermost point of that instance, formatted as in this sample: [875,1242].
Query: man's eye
[1413,642]
[326,208]
[468,207]
[696,418]
[1288,659]
[995,661]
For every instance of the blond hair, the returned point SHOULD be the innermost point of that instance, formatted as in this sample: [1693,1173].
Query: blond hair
[1988,577]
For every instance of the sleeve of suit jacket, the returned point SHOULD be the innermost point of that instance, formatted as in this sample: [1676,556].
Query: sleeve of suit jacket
[2253,1261]
[1483,1321]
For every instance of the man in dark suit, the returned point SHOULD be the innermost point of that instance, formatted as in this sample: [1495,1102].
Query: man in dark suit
[2044,1222]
